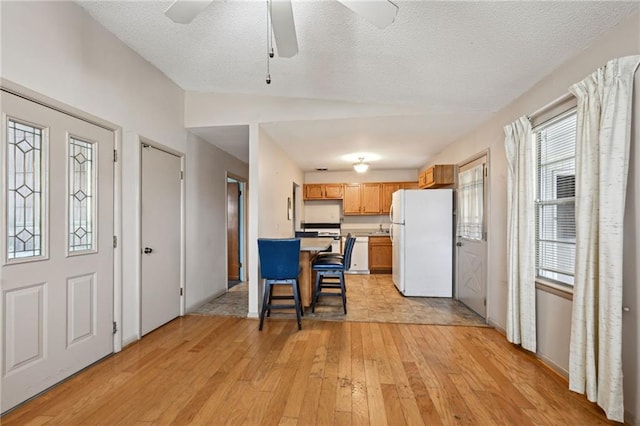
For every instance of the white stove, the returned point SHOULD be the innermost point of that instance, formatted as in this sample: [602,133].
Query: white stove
[329,230]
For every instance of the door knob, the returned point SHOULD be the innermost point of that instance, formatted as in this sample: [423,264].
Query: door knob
[459,244]
[147,250]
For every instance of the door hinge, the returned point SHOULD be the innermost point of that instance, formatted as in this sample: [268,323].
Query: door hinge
[240,264]
[485,302]
[115,155]
[181,291]
[181,175]
[115,241]
[115,327]
[486,171]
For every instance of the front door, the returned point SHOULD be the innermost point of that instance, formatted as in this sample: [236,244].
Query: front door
[471,236]
[161,189]
[57,246]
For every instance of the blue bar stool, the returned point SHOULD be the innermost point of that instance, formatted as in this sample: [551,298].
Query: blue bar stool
[279,265]
[330,275]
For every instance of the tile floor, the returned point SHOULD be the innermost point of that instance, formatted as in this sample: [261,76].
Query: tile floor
[370,298]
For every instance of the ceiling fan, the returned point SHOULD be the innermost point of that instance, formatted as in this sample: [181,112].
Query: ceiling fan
[381,13]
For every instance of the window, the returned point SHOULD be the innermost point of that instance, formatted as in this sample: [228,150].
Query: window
[555,199]
[24,173]
[81,200]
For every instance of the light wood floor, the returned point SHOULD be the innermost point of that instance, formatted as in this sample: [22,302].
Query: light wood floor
[222,370]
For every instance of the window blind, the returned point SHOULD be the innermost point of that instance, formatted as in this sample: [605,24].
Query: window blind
[555,200]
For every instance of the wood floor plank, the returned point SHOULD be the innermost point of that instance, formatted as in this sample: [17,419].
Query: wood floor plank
[343,389]
[375,397]
[222,370]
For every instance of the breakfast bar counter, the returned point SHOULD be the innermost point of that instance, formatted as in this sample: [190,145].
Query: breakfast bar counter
[308,248]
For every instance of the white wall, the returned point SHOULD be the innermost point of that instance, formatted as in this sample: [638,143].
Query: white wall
[553,328]
[277,174]
[404,175]
[58,50]
[206,218]
[274,174]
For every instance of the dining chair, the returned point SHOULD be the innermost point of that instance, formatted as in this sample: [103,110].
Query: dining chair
[330,275]
[331,254]
[279,265]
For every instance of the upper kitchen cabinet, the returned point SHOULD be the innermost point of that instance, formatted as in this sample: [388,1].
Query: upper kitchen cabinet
[409,185]
[437,176]
[387,191]
[351,199]
[323,191]
[361,198]
[371,198]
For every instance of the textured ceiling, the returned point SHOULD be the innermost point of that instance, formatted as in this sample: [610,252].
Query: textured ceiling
[455,62]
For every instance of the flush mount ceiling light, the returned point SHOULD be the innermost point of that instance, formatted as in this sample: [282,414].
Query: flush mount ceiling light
[361,166]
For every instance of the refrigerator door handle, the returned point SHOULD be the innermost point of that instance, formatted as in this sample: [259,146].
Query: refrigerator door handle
[391,213]
[391,232]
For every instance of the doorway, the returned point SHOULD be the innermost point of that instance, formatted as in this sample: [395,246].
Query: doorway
[161,210]
[235,231]
[471,234]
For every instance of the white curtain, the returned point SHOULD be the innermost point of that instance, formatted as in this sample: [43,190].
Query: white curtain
[470,200]
[521,306]
[602,159]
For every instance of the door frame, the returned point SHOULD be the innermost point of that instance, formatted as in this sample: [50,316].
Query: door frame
[138,243]
[38,98]
[487,224]
[242,228]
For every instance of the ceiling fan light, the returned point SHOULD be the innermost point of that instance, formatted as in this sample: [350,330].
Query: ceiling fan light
[361,166]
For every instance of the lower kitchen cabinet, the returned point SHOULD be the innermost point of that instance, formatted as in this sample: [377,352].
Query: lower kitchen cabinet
[380,253]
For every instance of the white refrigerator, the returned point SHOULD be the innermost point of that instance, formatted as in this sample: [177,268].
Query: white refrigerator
[422,241]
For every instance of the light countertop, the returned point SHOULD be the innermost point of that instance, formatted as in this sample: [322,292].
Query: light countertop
[315,244]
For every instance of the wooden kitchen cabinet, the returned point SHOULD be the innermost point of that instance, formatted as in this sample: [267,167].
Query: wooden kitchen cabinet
[437,176]
[361,198]
[409,185]
[380,255]
[371,198]
[387,190]
[370,201]
[323,191]
[351,198]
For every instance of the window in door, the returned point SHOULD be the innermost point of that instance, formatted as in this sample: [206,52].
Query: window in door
[24,177]
[81,200]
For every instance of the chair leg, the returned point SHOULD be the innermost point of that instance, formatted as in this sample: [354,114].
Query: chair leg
[265,303]
[343,290]
[270,300]
[298,287]
[317,292]
[296,301]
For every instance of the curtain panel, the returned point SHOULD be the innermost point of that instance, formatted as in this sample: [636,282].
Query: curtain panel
[602,161]
[470,204]
[521,306]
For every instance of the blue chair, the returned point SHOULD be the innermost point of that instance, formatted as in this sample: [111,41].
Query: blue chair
[339,256]
[330,275]
[279,265]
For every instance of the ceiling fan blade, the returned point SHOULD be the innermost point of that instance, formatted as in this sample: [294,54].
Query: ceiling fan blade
[284,30]
[380,13]
[184,11]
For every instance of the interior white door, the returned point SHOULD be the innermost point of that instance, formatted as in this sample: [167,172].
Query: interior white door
[160,264]
[57,247]
[471,243]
